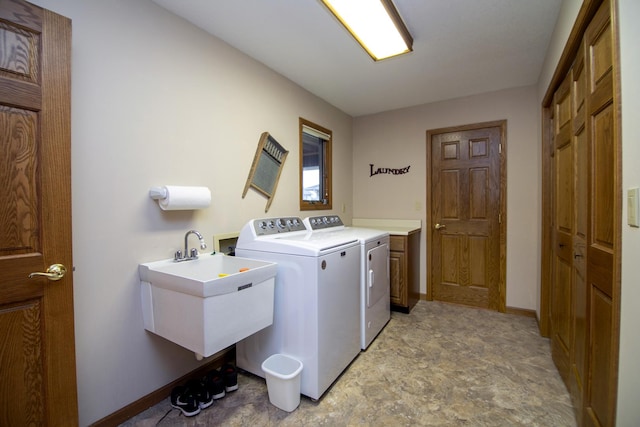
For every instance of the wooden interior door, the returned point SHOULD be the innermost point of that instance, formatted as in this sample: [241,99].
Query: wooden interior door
[579,136]
[564,179]
[603,239]
[568,293]
[584,215]
[37,356]
[465,215]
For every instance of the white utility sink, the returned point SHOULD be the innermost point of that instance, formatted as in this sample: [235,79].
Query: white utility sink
[209,303]
[202,277]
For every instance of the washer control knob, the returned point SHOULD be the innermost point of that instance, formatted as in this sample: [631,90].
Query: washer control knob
[280,223]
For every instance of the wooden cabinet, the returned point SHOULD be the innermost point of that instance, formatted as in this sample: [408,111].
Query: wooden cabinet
[405,271]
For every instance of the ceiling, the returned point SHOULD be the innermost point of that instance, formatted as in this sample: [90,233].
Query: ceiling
[460,48]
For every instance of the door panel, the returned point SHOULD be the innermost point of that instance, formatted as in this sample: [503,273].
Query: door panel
[604,224]
[378,278]
[396,279]
[579,276]
[37,361]
[589,273]
[563,220]
[465,205]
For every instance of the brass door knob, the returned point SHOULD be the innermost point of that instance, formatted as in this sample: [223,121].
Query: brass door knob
[54,272]
[439,226]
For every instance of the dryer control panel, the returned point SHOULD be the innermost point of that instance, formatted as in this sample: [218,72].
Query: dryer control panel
[324,222]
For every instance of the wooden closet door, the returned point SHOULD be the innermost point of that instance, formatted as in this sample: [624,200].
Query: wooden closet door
[568,292]
[604,222]
[577,359]
[563,229]
[582,215]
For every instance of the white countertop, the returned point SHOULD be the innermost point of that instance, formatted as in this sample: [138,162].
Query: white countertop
[401,227]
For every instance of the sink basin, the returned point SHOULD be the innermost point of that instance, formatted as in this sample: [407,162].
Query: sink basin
[202,277]
[207,304]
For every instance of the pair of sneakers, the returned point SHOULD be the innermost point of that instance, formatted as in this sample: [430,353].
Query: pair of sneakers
[191,398]
[198,395]
[222,381]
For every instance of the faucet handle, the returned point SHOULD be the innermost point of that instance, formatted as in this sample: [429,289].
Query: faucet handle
[194,253]
[178,255]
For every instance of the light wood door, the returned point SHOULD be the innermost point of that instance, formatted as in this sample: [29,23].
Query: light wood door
[465,216]
[37,352]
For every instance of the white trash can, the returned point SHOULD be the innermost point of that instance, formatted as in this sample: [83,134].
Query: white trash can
[283,381]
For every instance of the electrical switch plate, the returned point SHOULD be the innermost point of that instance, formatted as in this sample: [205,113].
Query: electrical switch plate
[632,207]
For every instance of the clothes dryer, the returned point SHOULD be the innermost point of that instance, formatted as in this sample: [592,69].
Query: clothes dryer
[375,291]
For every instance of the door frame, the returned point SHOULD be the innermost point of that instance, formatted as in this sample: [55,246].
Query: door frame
[502,124]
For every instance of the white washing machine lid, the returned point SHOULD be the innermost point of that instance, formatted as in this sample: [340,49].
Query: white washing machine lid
[333,224]
[290,239]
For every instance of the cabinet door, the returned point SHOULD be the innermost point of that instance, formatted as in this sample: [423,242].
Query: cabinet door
[397,282]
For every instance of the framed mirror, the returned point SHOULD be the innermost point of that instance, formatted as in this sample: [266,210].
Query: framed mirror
[266,168]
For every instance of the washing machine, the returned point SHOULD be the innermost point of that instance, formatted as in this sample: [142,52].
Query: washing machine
[316,303]
[375,291]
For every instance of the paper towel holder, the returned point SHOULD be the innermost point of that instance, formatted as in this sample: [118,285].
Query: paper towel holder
[175,197]
[157,193]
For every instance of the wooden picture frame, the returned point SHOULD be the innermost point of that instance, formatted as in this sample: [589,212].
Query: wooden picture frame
[266,168]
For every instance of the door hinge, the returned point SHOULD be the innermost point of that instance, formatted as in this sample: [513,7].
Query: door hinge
[500,148]
[499,218]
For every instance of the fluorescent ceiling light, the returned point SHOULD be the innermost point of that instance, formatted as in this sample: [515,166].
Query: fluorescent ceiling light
[375,24]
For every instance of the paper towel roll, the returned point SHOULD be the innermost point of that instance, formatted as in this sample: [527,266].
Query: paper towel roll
[185,198]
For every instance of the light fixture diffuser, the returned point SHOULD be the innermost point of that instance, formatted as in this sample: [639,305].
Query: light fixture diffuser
[375,24]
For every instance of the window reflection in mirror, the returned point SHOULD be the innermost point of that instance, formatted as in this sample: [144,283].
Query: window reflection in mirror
[315,166]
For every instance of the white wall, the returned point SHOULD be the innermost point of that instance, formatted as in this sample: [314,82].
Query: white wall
[397,139]
[629,372]
[157,101]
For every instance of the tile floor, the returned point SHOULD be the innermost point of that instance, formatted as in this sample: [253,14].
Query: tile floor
[441,365]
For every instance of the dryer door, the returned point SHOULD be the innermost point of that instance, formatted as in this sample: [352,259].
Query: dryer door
[377,274]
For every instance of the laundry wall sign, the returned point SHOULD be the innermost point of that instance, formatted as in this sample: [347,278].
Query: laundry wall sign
[393,171]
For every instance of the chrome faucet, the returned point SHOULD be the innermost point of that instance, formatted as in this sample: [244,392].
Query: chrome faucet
[192,253]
